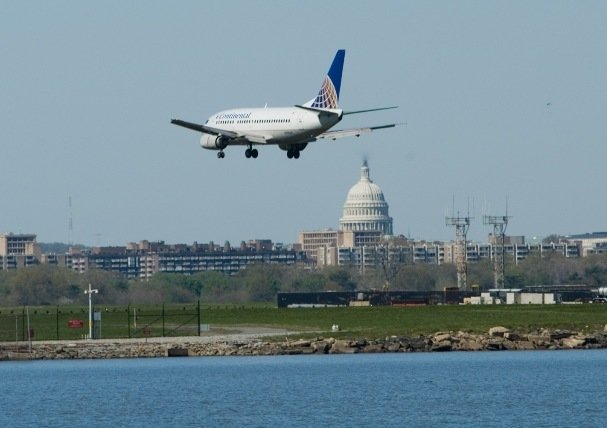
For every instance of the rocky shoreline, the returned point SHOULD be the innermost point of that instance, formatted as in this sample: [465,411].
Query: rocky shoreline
[497,339]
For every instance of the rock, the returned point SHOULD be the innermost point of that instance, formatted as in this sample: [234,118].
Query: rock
[508,345]
[525,345]
[342,347]
[469,345]
[498,331]
[360,343]
[573,342]
[394,347]
[601,339]
[539,339]
[443,346]
[494,344]
[588,340]
[498,338]
[300,343]
[514,337]
[441,337]
[560,334]
[415,343]
[176,352]
[321,347]
[373,349]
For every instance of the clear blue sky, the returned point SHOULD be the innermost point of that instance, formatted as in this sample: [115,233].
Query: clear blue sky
[87,92]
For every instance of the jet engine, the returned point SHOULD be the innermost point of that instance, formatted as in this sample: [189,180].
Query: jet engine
[214,142]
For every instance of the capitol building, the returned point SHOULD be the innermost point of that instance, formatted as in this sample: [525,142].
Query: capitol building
[365,222]
[365,209]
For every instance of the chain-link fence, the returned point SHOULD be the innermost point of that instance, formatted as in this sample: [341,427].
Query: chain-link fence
[71,323]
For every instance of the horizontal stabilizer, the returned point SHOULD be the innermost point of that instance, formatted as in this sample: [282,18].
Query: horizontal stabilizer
[353,132]
[368,110]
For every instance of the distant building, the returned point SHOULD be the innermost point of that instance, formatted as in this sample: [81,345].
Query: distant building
[18,250]
[145,259]
[590,243]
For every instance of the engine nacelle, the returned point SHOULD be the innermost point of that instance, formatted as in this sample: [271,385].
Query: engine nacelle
[213,142]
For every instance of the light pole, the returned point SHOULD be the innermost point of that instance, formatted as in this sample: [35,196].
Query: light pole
[90,292]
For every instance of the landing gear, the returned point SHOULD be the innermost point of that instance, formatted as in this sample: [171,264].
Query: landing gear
[221,154]
[293,153]
[251,153]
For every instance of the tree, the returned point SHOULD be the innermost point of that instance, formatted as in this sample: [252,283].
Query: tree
[340,278]
[481,274]
[416,277]
[261,282]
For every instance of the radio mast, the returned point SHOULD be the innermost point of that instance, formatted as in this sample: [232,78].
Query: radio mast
[70,224]
[498,248]
[462,225]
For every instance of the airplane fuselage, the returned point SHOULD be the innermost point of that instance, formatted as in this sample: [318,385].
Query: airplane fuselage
[283,126]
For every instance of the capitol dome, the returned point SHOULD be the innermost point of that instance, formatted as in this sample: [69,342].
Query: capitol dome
[365,209]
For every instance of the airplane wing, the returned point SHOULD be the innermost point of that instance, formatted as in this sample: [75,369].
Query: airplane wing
[352,132]
[236,137]
[205,129]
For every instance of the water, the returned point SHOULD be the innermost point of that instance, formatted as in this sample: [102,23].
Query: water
[505,389]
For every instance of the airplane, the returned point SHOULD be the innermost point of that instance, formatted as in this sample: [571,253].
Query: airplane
[291,128]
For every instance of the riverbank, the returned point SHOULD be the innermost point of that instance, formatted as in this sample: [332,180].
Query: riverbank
[251,344]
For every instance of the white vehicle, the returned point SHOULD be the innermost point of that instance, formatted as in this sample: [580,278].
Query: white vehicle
[291,128]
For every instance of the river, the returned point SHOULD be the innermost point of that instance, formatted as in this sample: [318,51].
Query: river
[459,389]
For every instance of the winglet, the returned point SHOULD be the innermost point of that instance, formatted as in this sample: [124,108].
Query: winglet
[328,96]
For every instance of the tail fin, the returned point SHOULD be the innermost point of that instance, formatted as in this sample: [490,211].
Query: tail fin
[328,96]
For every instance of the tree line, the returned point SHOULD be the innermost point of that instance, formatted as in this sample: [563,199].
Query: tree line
[51,285]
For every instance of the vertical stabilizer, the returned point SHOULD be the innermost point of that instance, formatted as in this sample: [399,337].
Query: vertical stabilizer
[328,96]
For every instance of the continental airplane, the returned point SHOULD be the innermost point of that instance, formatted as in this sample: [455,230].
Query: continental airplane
[291,128]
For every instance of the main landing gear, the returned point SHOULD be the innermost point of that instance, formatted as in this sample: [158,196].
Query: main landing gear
[221,154]
[251,153]
[293,153]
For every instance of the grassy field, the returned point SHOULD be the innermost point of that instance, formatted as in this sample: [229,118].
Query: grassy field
[50,323]
[382,321]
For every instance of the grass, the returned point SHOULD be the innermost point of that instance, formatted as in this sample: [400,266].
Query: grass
[383,321]
[50,323]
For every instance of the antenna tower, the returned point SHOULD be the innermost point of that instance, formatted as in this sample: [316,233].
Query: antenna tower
[70,224]
[499,235]
[462,224]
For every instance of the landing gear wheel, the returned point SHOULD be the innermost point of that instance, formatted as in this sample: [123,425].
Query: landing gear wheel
[221,155]
[251,152]
[293,153]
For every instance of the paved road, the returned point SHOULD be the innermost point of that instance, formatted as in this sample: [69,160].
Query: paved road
[221,334]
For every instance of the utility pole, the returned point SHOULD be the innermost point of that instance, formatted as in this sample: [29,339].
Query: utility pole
[498,249]
[461,230]
[90,292]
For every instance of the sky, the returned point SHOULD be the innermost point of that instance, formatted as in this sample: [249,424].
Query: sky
[502,106]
